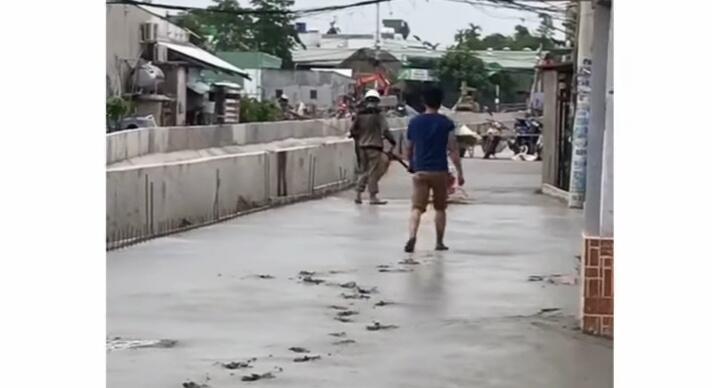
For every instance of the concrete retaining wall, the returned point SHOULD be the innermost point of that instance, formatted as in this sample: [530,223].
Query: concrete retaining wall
[153,200]
[143,141]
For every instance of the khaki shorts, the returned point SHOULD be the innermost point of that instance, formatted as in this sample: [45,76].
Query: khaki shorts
[424,183]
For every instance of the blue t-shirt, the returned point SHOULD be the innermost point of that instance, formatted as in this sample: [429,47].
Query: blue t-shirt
[428,133]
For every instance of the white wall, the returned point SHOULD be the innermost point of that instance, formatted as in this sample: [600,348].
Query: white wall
[150,200]
[123,39]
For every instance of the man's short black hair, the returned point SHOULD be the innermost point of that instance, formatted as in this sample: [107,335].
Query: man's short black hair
[433,97]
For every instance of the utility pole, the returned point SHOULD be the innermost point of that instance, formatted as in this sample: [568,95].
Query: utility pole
[579,143]
[378,26]
[607,167]
[592,208]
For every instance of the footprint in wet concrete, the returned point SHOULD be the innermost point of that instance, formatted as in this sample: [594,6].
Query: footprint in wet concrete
[556,279]
[299,349]
[372,290]
[192,384]
[344,342]
[118,343]
[239,364]
[311,280]
[259,276]
[348,285]
[382,303]
[258,376]
[307,358]
[395,270]
[346,313]
[378,326]
[335,307]
[355,296]
[409,261]
[343,319]
[338,334]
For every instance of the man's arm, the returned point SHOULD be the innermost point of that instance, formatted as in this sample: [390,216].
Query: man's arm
[454,151]
[409,149]
[386,131]
[353,131]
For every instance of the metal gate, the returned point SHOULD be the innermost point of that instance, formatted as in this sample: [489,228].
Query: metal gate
[565,130]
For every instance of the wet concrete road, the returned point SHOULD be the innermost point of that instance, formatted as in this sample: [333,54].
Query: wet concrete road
[466,318]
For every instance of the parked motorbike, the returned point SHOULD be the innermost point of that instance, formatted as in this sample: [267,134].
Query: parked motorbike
[527,137]
[492,143]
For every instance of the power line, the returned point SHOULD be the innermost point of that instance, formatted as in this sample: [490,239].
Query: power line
[491,4]
[251,11]
[496,4]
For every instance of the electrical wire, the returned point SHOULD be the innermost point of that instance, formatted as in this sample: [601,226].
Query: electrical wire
[496,4]
[252,11]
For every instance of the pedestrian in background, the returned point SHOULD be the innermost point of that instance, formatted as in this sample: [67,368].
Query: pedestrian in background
[431,137]
[368,129]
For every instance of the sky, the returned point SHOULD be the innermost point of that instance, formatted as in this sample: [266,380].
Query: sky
[436,21]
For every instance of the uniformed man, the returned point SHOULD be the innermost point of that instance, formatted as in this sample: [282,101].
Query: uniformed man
[368,129]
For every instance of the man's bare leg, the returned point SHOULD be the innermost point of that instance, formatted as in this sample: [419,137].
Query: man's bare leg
[440,221]
[413,229]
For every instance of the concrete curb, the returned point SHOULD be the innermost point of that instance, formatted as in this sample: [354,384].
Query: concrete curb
[318,193]
[555,192]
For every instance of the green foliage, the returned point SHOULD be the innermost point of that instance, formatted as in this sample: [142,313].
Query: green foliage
[274,33]
[252,110]
[546,30]
[116,109]
[270,33]
[457,66]
[471,38]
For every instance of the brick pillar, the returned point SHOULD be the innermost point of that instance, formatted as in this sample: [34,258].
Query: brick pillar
[597,283]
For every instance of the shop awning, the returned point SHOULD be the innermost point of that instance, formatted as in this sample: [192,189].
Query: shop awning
[205,58]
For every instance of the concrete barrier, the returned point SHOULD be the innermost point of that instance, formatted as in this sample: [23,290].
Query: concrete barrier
[153,200]
[144,141]
[128,144]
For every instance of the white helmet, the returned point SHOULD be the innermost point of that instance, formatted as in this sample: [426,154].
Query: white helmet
[373,93]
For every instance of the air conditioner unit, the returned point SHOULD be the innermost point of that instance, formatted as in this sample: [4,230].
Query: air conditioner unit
[160,53]
[149,32]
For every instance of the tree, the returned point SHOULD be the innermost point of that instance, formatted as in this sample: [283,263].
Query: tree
[223,32]
[457,66]
[497,41]
[469,38]
[546,31]
[571,21]
[275,33]
[524,39]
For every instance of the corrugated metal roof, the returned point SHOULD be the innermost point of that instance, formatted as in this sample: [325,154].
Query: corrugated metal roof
[251,59]
[204,57]
[334,56]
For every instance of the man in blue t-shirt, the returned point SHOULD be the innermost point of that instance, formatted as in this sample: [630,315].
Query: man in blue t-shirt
[430,138]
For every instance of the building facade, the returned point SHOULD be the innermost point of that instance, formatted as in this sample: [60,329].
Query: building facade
[139,38]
